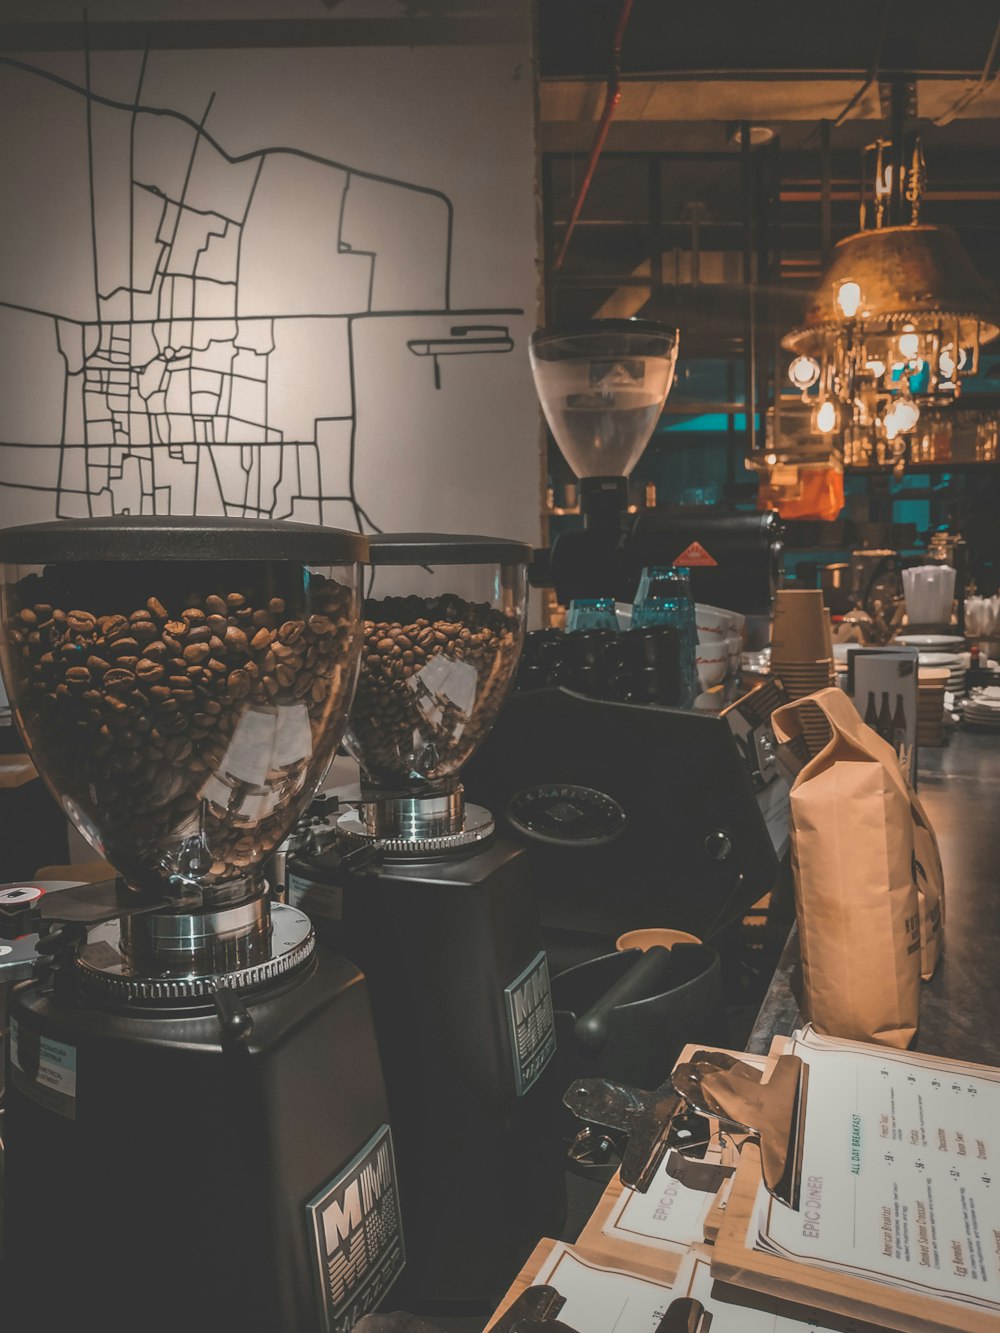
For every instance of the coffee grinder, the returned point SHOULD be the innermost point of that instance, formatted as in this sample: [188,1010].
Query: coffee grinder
[440,915]
[602,385]
[196,1129]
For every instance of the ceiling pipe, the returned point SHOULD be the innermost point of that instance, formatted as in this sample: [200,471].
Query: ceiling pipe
[612,96]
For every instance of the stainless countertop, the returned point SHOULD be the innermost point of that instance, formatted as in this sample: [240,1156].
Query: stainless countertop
[959,786]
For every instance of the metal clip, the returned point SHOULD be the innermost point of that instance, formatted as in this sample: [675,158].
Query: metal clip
[535,1311]
[654,1122]
[719,1085]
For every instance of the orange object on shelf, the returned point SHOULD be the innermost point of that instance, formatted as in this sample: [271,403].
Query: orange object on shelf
[813,492]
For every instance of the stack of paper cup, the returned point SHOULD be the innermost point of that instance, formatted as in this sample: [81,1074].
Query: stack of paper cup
[929,590]
[802,655]
[931,683]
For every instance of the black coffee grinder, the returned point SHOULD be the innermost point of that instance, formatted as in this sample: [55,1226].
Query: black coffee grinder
[196,1128]
[440,914]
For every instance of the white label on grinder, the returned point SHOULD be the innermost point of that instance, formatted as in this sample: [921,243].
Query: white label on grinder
[325,900]
[43,1069]
[357,1234]
[531,1023]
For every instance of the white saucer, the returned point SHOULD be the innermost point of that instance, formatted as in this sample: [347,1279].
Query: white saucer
[931,641]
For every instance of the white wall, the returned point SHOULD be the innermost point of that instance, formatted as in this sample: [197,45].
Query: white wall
[242,318]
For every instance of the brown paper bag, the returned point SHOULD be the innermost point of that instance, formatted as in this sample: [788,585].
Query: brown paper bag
[855,896]
[928,875]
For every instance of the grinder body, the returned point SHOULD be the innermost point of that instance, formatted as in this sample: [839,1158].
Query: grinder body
[191,1181]
[451,951]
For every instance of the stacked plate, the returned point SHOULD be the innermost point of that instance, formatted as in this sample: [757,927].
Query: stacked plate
[956,664]
[931,684]
[982,708]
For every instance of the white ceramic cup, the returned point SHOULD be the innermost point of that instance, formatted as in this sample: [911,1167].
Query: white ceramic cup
[712,660]
[712,623]
[734,650]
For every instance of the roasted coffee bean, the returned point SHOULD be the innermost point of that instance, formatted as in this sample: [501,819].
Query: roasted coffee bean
[78,675]
[261,641]
[148,671]
[94,662]
[119,680]
[177,629]
[235,601]
[238,683]
[291,631]
[124,647]
[197,652]
[156,608]
[235,640]
[215,605]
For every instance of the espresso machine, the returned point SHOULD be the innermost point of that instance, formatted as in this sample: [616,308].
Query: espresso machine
[196,1134]
[415,887]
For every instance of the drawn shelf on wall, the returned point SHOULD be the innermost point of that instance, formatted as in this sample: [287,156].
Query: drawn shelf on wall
[210,355]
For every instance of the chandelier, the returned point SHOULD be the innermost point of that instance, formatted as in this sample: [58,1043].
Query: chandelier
[896,324]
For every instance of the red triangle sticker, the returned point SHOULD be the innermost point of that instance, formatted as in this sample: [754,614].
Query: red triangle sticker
[695,554]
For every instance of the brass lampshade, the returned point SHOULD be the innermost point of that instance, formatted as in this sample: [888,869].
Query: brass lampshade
[917,276]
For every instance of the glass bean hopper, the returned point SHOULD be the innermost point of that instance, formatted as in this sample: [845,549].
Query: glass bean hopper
[443,625]
[181,685]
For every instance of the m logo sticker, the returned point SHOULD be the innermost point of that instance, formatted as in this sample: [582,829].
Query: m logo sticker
[358,1235]
[530,1022]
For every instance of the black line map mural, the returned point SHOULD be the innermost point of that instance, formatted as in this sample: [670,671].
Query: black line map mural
[212,365]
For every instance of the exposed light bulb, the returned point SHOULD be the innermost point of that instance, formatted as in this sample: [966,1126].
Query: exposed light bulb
[849,299]
[771,459]
[803,372]
[900,417]
[963,356]
[909,345]
[826,417]
[875,367]
[946,363]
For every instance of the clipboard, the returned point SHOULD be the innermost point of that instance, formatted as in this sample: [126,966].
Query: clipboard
[636,1254]
[736,1261]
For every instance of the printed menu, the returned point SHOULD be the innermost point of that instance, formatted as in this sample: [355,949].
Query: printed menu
[734,1310]
[603,1300]
[899,1179]
[609,1300]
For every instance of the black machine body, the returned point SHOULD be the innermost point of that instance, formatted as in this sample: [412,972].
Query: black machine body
[680,820]
[451,950]
[146,1148]
[735,559]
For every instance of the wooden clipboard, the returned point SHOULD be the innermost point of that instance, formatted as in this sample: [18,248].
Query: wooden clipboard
[645,1260]
[526,1277]
[736,1262]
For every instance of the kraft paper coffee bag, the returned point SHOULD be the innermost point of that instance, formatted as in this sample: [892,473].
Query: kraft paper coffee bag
[856,898]
[928,876]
